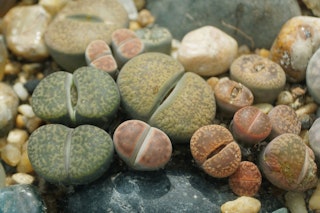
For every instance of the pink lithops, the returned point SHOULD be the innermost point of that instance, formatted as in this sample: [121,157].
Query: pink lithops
[98,54]
[125,45]
[215,151]
[141,146]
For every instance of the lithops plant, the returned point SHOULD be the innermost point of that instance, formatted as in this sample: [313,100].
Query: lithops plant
[141,146]
[215,151]
[154,88]
[289,164]
[88,96]
[296,42]
[63,155]
[263,77]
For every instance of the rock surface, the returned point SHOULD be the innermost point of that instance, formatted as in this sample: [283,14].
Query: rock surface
[254,23]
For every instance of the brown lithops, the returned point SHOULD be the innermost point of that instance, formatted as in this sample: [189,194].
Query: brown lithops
[215,151]
[250,125]
[246,180]
[141,146]
[284,120]
[263,77]
[231,96]
[289,164]
[296,42]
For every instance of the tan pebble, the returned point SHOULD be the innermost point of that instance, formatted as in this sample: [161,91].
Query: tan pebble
[243,49]
[3,143]
[12,68]
[134,25]
[207,51]
[145,18]
[304,135]
[313,5]
[17,137]
[264,107]
[33,123]
[298,91]
[314,203]
[53,6]
[9,181]
[21,91]
[26,110]
[263,52]
[295,202]
[309,108]
[11,154]
[285,97]
[22,178]
[24,165]
[212,81]
[139,4]
[20,121]
[242,204]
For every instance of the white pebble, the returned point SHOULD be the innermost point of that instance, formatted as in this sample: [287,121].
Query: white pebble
[21,91]
[314,202]
[295,202]
[242,204]
[26,110]
[22,178]
[17,137]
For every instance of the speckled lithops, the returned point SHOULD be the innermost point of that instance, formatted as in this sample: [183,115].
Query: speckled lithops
[141,146]
[63,155]
[289,164]
[154,88]
[88,96]
[215,150]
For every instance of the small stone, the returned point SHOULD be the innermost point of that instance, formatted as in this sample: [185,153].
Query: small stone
[314,203]
[145,18]
[53,6]
[24,165]
[12,68]
[3,57]
[11,154]
[130,8]
[213,81]
[33,123]
[207,51]
[285,97]
[22,178]
[295,202]
[264,107]
[25,27]
[26,110]
[21,91]
[313,5]
[242,204]
[17,137]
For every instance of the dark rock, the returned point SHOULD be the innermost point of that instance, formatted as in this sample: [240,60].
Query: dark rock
[21,198]
[255,23]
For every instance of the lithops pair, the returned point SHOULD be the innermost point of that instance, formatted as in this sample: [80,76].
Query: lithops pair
[289,164]
[154,88]
[63,155]
[88,96]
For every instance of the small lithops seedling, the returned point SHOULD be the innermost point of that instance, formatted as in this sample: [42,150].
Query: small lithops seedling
[296,42]
[154,88]
[289,164]
[88,96]
[263,77]
[155,39]
[250,125]
[283,120]
[215,151]
[98,54]
[246,180]
[125,45]
[231,96]
[64,155]
[141,146]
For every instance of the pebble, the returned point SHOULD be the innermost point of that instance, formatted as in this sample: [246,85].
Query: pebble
[26,110]
[24,165]
[8,108]
[314,203]
[294,45]
[21,198]
[295,201]
[53,6]
[256,29]
[313,77]
[11,154]
[145,18]
[17,137]
[21,91]
[313,5]
[22,178]
[24,31]
[314,135]
[3,57]
[242,204]
[285,97]
[67,34]
[207,51]
[131,9]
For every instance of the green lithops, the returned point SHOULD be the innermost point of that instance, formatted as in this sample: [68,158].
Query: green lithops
[63,155]
[154,88]
[88,96]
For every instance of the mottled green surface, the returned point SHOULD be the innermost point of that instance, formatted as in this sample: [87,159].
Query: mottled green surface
[70,156]
[145,80]
[145,85]
[190,106]
[21,198]
[88,96]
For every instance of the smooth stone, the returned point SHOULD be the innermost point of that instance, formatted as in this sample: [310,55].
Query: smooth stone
[24,30]
[242,204]
[207,51]
[21,198]
[2,176]
[313,76]
[314,139]
[68,35]
[171,190]
[313,5]
[8,108]
[252,23]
